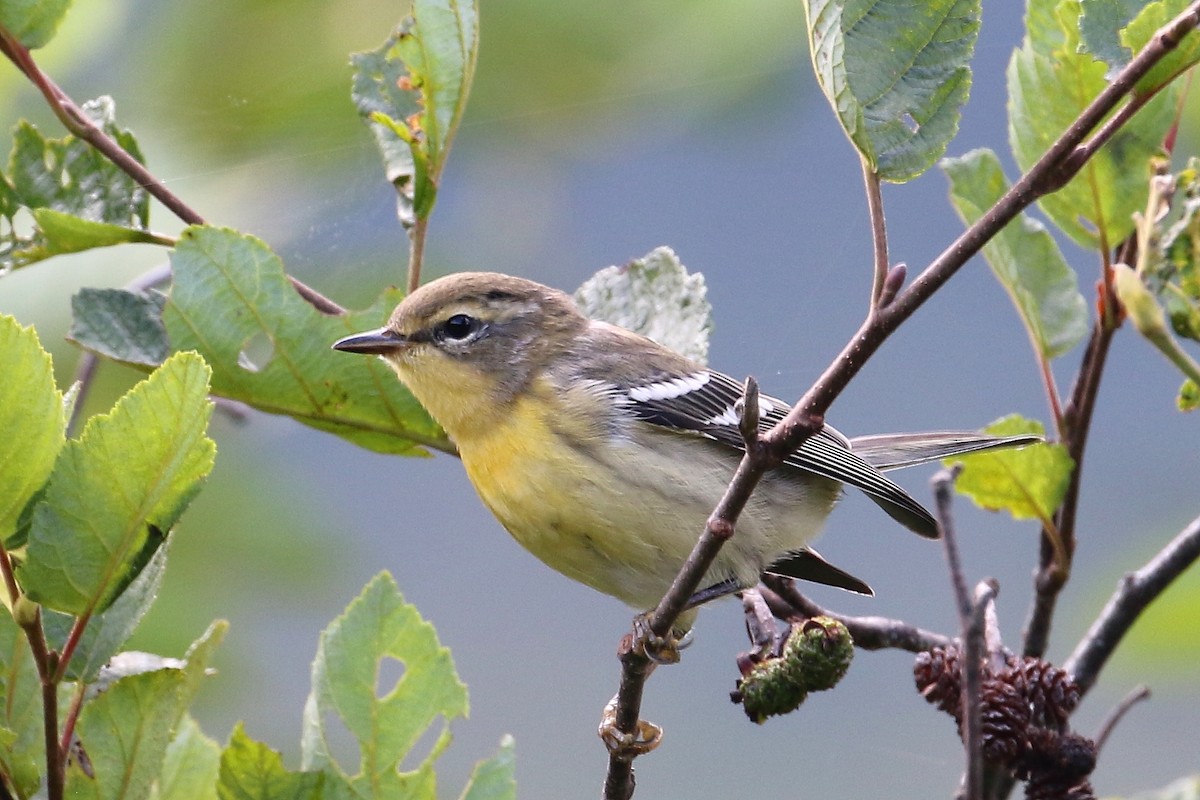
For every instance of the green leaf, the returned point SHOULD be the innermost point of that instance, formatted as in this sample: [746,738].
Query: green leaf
[896,74]
[232,301]
[33,22]
[1189,396]
[495,778]
[1141,31]
[376,628]
[412,91]
[1100,26]
[252,771]
[120,325]
[1024,258]
[79,199]
[31,421]
[1096,208]
[22,748]
[1115,30]
[117,490]
[191,766]
[125,731]
[656,297]
[106,633]
[1028,483]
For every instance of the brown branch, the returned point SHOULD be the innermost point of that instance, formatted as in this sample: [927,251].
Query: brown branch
[1134,593]
[80,125]
[416,252]
[869,633]
[970,620]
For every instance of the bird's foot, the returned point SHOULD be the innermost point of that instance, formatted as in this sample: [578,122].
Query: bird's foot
[659,649]
[645,737]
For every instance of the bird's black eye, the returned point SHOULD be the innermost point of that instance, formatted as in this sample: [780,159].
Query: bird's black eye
[459,327]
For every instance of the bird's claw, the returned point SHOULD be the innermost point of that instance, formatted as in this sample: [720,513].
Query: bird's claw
[645,737]
[659,649]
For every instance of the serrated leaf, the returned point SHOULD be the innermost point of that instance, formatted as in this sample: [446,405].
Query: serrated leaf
[63,179]
[120,325]
[656,297]
[412,91]
[191,766]
[31,421]
[1028,483]
[33,22]
[106,633]
[1141,31]
[116,491]
[22,751]
[230,294]
[125,731]
[379,626]
[1100,25]
[1024,257]
[1096,208]
[495,778]
[896,74]
[252,771]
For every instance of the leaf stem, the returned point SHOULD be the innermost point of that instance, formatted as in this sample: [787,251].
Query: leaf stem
[878,231]
[416,251]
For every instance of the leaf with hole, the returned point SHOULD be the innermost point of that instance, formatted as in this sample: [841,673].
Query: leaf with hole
[386,722]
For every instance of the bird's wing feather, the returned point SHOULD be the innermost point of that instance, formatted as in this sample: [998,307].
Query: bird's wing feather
[704,402]
[894,450]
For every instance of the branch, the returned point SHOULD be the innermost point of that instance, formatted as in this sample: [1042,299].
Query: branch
[1134,593]
[869,633]
[971,624]
[80,125]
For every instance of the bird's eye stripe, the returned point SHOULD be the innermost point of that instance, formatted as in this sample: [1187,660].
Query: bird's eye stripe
[669,390]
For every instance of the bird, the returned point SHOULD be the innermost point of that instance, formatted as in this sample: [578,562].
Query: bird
[603,453]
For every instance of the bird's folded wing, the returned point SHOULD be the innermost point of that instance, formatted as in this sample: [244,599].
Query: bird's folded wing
[705,402]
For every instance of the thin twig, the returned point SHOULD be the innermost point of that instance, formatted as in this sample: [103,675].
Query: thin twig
[1134,593]
[869,633]
[970,620]
[878,232]
[80,125]
[1137,695]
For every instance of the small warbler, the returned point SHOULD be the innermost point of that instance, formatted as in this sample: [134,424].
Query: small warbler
[603,453]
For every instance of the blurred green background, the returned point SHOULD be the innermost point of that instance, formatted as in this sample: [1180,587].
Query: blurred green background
[595,133]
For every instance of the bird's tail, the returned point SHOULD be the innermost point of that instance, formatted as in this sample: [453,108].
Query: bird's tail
[895,450]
